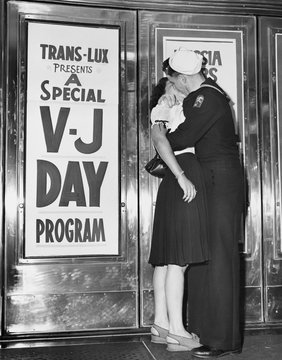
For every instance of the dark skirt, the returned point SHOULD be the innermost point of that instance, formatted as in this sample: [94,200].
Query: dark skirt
[180,228]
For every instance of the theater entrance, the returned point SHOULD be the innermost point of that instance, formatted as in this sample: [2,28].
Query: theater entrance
[77,210]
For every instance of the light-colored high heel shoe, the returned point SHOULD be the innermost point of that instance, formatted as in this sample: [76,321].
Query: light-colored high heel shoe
[158,334]
[181,343]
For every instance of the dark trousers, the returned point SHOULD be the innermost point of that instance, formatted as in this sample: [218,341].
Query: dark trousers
[213,288]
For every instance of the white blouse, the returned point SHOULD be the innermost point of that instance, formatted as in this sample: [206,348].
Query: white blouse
[173,116]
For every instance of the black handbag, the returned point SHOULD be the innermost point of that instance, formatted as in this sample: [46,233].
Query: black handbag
[156,166]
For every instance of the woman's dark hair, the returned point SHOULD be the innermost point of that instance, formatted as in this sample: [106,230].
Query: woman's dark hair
[157,92]
[167,69]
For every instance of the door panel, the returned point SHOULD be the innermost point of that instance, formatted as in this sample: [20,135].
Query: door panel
[229,44]
[62,292]
[270,46]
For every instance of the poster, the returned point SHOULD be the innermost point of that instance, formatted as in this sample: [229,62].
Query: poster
[223,51]
[72,141]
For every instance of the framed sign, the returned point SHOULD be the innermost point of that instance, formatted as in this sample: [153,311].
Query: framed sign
[72,141]
[221,48]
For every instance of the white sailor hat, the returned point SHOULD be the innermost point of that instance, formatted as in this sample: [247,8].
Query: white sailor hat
[186,61]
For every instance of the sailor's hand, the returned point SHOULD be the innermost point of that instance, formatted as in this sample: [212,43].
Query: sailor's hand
[168,99]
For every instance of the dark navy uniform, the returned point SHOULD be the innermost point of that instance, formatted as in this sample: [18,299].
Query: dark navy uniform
[213,288]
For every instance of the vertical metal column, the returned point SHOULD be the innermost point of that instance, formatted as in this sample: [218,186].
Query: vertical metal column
[2,152]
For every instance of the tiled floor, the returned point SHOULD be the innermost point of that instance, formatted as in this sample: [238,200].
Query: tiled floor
[256,347]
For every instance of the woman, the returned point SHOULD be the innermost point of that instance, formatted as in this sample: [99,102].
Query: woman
[179,232]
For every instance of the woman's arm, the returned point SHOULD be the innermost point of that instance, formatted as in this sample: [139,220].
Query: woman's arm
[164,149]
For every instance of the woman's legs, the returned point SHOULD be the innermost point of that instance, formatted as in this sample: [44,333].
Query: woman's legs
[168,282]
[159,280]
[174,289]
